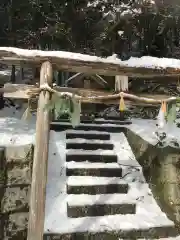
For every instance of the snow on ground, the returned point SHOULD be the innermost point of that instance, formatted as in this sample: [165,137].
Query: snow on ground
[15,131]
[87,164]
[85,199]
[174,238]
[5,75]
[90,180]
[12,126]
[146,61]
[12,112]
[146,129]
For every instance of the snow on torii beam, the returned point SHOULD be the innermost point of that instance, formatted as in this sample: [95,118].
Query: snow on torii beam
[76,62]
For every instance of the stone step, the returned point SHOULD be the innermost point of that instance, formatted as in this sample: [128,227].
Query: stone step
[98,121]
[90,141]
[87,135]
[91,156]
[161,232]
[95,185]
[101,172]
[89,145]
[99,205]
[97,189]
[93,169]
[99,210]
[59,126]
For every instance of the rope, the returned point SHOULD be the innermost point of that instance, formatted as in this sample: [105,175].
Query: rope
[34,93]
[45,87]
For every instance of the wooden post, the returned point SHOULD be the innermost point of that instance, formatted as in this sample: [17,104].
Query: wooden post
[22,72]
[87,83]
[121,83]
[39,174]
[13,74]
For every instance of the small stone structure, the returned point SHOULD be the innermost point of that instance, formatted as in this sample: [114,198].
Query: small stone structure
[15,181]
[161,167]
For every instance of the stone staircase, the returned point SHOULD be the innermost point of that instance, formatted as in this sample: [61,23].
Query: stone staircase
[102,177]
[105,193]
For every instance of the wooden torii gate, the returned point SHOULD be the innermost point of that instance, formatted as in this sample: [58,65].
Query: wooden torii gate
[74,62]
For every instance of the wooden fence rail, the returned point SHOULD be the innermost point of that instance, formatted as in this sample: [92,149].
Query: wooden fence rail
[22,91]
[76,62]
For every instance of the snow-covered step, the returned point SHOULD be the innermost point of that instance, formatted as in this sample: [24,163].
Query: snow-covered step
[99,205]
[91,165]
[61,126]
[89,145]
[87,132]
[93,169]
[100,210]
[86,199]
[88,135]
[95,185]
[111,227]
[105,156]
[99,121]
[82,140]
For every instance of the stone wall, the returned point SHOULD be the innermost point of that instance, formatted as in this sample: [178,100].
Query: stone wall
[15,180]
[161,167]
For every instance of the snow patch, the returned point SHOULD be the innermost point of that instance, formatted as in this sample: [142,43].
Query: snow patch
[90,152]
[86,165]
[87,132]
[145,62]
[146,129]
[81,140]
[93,181]
[16,132]
[85,199]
